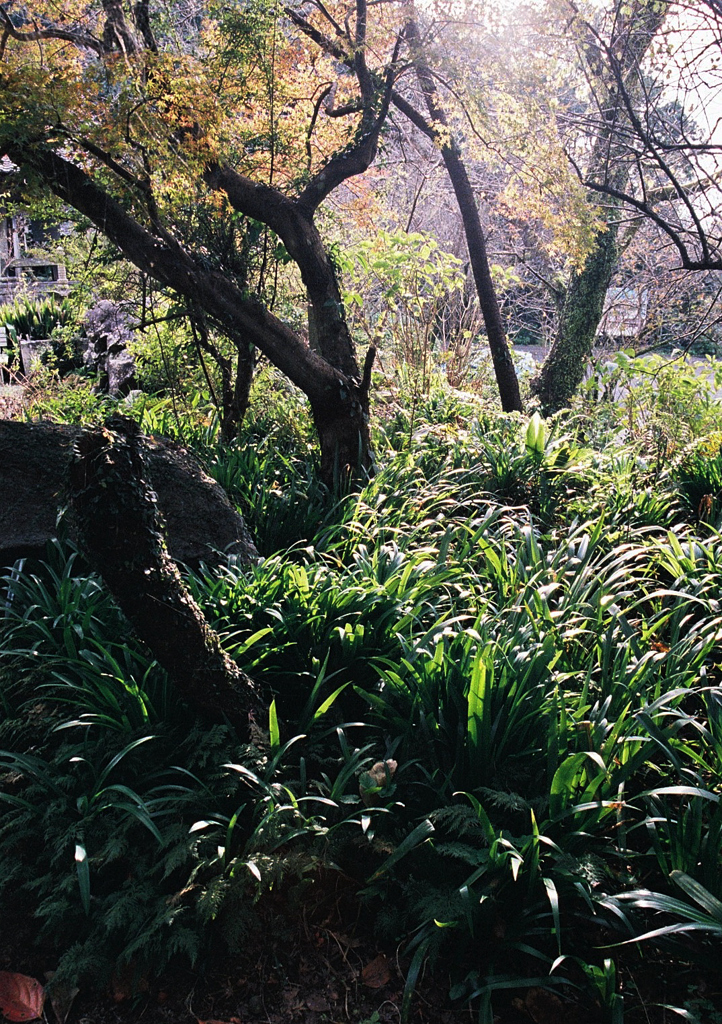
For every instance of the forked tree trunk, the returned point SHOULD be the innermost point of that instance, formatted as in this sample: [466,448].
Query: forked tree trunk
[615,73]
[120,532]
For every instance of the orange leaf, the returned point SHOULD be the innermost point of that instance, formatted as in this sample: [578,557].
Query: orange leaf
[376,974]
[21,997]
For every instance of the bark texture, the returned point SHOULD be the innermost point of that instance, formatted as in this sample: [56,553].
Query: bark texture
[121,534]
[565,366]
[608,170]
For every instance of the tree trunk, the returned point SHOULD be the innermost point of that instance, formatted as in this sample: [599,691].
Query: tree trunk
[245,368]
[120,531]
[235,390]
[504,370]
[615,73]
[565,366]
[338,398]
[341,418]
[503,364]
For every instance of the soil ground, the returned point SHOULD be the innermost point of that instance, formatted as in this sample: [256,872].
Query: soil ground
[320,965]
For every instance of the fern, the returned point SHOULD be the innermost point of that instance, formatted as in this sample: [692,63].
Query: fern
[459,820]
[461,851]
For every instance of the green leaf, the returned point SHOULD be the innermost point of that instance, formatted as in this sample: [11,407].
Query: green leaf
[273,730]
[83,869]
[415,838]
[536,435]
[698,893]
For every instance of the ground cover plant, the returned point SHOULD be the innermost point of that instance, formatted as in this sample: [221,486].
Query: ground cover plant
[496,715]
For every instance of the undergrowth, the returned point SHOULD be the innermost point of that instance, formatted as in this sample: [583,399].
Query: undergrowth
[496,706]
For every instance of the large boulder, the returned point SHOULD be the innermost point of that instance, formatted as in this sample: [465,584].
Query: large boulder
[200,520]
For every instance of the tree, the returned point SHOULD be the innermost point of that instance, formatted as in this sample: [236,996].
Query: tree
[612,93]
[120,530]
[669,143]
[138,124]
[436,126]
[627,32]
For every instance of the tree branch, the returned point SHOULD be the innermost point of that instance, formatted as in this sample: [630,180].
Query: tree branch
[686,262]
[80,38]
[167,262]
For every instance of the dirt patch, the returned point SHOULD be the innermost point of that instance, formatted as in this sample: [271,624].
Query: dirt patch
[12,401]
[316,965]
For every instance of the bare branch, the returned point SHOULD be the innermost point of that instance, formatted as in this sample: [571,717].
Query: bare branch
[358,157]
[81,38]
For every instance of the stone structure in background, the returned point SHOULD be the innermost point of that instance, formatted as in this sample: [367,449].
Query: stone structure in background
[108,331]
[625,314]
[21,273]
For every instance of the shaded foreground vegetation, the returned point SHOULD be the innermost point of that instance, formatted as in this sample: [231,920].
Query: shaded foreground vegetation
[497,716]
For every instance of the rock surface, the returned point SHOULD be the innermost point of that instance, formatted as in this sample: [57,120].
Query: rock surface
[200,520]
[108,334]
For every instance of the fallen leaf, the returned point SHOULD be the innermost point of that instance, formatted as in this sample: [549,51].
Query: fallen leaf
[543,1006]
[376,974]
[21,997]
[212,1020]
[290,996]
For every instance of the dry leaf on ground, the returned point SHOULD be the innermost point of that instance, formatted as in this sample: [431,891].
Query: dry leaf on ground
[544,1007]
[376,974]
[212,1020]
[21,997]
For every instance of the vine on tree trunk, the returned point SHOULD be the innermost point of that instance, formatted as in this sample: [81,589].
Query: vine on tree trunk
[120,532]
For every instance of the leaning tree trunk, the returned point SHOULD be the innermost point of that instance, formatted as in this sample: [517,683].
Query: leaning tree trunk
[504,370]
[119,530]
[337,393]
[565,366]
